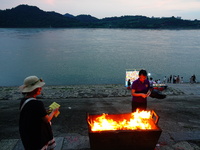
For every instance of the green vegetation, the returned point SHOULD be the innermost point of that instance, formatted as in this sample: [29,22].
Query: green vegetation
[24,16]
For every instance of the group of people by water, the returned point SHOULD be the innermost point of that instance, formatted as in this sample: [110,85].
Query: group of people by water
[173,79]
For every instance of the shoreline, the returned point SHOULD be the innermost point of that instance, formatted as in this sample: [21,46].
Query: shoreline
[179,113]
[94,91]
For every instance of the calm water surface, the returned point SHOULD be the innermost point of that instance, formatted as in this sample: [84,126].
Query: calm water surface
[96,56]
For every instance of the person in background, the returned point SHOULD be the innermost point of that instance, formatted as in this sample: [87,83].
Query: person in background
[140,91]
[34,122]
[170,79]
[174,79]
[178,79]
[194,78]
[129,84]
[181,79]
[165,79]
[158,81]
[151,82]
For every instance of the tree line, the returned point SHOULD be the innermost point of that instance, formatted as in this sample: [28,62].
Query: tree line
[25,16]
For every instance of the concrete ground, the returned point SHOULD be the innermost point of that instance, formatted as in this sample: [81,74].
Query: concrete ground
[179,119]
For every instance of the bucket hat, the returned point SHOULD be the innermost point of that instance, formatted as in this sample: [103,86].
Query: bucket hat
[31,83]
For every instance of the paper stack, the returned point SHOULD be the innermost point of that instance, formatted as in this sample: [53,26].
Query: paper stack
[53,106]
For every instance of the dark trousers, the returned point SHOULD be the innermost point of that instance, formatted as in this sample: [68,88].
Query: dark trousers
[141,106]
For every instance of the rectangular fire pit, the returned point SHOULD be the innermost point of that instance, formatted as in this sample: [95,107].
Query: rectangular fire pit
[122,138]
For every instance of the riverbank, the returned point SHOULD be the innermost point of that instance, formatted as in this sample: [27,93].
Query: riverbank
[84,91]
[179,113]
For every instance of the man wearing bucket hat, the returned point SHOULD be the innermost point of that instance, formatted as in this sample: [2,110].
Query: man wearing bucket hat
[34,122]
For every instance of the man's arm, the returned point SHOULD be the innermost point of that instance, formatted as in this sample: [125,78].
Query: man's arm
[138,94]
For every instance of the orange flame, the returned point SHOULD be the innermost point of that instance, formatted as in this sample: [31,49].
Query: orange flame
[138,120]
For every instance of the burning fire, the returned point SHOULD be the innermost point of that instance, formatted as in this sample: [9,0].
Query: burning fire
[138,120]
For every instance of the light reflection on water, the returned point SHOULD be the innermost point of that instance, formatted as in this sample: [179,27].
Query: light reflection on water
[96,56]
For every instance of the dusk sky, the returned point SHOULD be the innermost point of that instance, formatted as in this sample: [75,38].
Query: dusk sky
[186,9]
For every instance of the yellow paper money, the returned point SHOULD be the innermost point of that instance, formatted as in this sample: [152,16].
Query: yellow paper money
[53,106]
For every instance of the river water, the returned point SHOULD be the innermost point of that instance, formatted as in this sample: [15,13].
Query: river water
[96,56]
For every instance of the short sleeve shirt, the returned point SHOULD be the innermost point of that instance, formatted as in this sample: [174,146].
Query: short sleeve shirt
[33,130]
[140,87]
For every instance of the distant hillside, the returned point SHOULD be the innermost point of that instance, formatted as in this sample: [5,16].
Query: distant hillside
[25,16]
[149,23]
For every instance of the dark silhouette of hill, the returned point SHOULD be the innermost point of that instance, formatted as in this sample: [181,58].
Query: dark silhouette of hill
[149,23]
[69,15]
[25,16]
[31,16]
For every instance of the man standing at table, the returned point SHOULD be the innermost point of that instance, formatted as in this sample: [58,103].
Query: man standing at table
[140,91]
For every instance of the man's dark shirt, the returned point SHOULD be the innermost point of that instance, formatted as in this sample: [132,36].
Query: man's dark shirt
[140,87]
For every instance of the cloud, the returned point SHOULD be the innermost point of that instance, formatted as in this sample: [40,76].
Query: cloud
[50,2]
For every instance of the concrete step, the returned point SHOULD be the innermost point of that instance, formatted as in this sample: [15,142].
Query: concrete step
[69,142]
